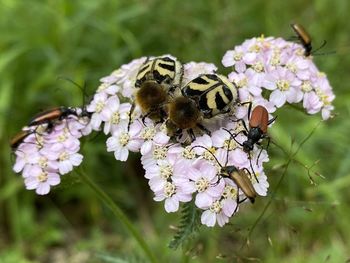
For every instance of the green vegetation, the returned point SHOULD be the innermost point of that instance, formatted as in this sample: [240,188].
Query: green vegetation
[84,40]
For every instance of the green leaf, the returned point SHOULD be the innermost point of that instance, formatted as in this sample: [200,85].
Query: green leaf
[189,224]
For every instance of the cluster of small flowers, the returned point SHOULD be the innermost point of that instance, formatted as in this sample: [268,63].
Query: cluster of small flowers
[176,172]
[272,71]
[45,155]
[267,71]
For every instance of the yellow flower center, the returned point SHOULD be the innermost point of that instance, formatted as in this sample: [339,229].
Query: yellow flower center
[202,184]
[188,153]
[124,139]
[166,171]
[258,67]
[216,207]
[63,156]
[99,106]
[306,86]
[42,177]
[229,192]
[43,162]
[169,189]
[115,118]
[148,133]
[283,85]
[159,152]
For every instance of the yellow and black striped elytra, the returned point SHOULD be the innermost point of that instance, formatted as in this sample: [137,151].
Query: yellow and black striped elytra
[202,98]
[162,70]
[213,93]
[156,81]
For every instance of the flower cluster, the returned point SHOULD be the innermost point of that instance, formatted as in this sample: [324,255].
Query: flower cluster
[267,71]
[178,172]
[272,71]
[45,154]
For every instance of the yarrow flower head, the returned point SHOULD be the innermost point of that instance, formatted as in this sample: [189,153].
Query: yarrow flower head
[47,154]
[277,70]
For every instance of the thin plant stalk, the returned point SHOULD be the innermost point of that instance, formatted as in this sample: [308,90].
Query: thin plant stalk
[119,214]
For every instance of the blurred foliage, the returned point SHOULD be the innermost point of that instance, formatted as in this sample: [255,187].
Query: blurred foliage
[84,40]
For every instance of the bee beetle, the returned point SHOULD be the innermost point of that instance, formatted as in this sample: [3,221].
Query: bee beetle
[156,80]
[202,98]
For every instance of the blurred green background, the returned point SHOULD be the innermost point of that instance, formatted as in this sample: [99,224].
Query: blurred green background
[85,40]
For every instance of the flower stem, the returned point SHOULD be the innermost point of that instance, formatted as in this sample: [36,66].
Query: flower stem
[119,214]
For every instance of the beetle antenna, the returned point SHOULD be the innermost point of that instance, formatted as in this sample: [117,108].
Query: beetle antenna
[83,89]
[199,146]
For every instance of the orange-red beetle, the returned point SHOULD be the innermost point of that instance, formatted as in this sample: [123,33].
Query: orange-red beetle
[258,122]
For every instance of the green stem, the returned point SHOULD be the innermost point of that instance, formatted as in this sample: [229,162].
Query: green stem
[291,156]
[119,214]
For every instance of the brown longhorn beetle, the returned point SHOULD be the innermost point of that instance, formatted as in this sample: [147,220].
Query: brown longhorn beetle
[239,177]
[305,39]
[19,138]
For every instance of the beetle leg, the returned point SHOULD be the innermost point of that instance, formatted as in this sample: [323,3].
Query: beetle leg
[267,146]
[130,114]
[191,133]
[237,200]
[251,167]
[200,126]
[234,136]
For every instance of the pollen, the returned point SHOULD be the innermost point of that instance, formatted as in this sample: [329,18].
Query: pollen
[230,145]
[216,207]
[276,58]
[124,138]
[159,152]
[292,67]
[255,48]
[166,171]
[169,189]
[258,67]
[63,156]
[188,153]
[306,86]
[148,133]
[229,192]
[99,106]
[115,118]
[283,85]
[202,184]
[43,162]
[62,137]
[42,177]
[237,56]
[323,97]
[208,155]
[300,52]
[243,82]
